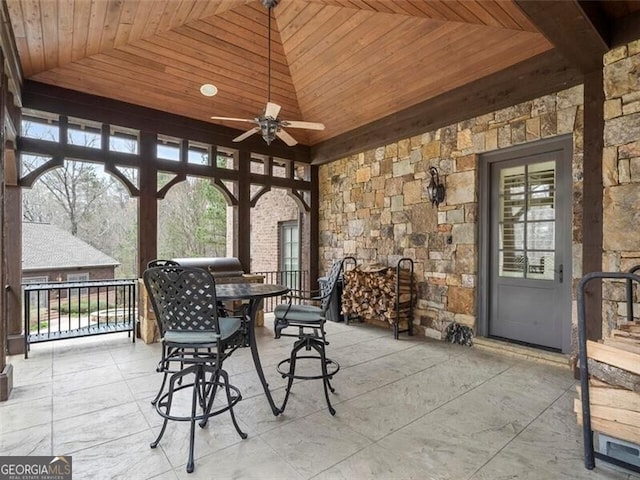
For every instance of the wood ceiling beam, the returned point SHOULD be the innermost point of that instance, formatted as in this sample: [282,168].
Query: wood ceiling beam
[59,152]
[579,31]
[626,29]
[543,74]
[39,96]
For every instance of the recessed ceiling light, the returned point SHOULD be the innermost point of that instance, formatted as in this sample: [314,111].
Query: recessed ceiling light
[208,90]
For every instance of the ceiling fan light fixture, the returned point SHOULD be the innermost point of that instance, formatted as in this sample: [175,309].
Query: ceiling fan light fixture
[208,90]
[269,128]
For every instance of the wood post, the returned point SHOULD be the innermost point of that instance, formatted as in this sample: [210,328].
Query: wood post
[147,203]
[244,210]
[314,230]
[13,278]
[592,222]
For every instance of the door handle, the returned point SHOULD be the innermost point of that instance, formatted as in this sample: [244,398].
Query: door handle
[560,272]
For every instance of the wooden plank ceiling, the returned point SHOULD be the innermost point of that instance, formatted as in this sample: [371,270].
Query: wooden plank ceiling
[345,63]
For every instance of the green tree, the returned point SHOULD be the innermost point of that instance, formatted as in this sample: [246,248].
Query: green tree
[192,220]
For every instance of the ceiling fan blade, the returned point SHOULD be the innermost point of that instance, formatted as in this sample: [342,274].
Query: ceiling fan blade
[231,119]
[272,110]
[246,134]
[286,138]
[307,125]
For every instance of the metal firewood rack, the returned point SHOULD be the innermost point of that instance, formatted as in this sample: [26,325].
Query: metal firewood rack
[398,309]
[587,433]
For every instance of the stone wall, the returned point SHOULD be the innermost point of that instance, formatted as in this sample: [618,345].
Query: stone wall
[374,205]
[621,174]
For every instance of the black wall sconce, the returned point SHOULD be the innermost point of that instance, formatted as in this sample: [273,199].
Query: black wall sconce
[435,188]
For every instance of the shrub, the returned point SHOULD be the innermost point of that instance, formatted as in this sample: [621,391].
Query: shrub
[84,306]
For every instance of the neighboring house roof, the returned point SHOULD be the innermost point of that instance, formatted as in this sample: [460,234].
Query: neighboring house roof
[47,247]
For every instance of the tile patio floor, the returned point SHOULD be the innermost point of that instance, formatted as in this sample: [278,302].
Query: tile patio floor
[407,409]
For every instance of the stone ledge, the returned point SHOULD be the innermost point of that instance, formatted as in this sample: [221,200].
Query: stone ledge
[6,382]
[529,353]
[15,344]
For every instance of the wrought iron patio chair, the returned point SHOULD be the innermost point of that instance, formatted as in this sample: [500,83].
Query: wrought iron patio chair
[309,319]
[195,344]
[152,264]
[222,311]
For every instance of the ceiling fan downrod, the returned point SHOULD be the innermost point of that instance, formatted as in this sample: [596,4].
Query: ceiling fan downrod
[269,4]
[267,123]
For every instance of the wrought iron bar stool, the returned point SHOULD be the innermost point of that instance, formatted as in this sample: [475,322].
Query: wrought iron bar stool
[160,367]
[309,320]
[196,341]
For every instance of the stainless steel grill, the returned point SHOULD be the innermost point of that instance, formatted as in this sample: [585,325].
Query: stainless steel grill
[223,269]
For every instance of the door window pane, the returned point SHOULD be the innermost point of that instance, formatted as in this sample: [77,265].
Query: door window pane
[290,254]
[512,263]
[526,233]
[512,236]
[541,236]
[541,191]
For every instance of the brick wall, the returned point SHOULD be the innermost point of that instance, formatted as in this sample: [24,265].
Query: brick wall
[374,205]
[60,275]
[272,209]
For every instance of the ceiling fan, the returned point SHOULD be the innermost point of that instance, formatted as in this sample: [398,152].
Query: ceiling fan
[268,123]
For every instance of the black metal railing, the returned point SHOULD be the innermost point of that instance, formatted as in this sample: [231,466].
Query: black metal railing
[294,279]
[59,310]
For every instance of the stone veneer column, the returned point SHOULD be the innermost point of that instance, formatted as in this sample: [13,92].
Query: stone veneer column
[621,173]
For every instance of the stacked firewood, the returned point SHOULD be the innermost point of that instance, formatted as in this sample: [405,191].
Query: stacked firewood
[614,384]
[370,293]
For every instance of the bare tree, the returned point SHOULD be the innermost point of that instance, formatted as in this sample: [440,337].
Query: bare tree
[77,188]
[36,206]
